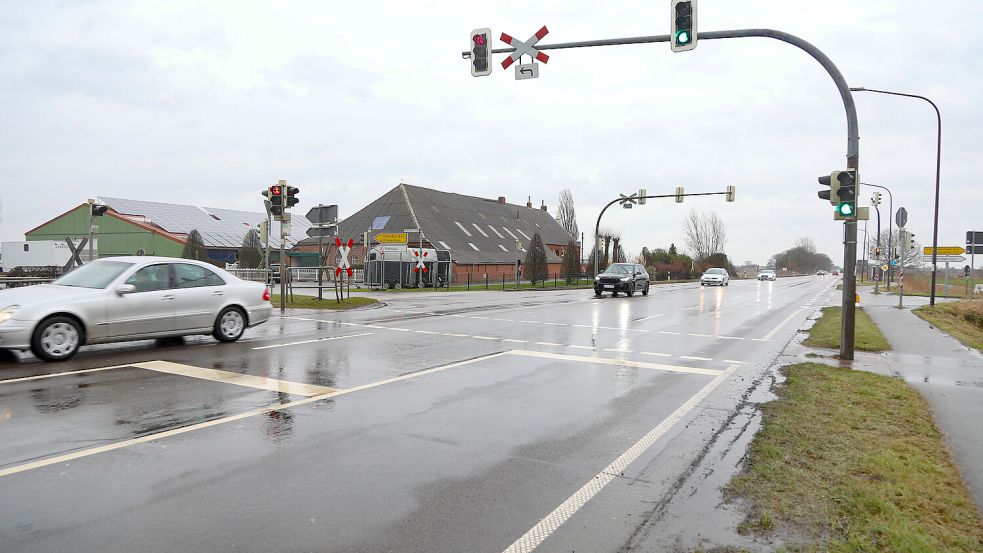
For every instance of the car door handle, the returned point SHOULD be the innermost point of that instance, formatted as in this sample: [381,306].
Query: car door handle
[217,293]
[167,297]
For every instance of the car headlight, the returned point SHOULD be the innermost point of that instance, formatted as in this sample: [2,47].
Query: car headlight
[625,279]
[8,312]
[597,278]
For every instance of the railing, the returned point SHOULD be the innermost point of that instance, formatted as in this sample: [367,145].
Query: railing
[297,274]
[15,282]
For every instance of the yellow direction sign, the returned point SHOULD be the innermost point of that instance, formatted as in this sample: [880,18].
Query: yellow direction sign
[391,238]
[945,250]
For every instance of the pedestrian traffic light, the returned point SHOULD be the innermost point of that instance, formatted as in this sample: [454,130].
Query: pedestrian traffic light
[846,192]
[292,198]
[481,52]
[275,195]
[683,15]
[98,210]
[264,232]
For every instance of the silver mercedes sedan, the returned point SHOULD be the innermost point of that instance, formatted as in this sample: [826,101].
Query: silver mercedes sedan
[116,299]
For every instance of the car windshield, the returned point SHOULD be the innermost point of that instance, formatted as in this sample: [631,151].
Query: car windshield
[619,269]
[97,274]
[715,271]
[767,272]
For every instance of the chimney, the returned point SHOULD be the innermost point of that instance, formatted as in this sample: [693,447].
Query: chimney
[501,200]
[543,206]
[529,202]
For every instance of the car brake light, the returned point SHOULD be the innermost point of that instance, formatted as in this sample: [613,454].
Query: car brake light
[266,293]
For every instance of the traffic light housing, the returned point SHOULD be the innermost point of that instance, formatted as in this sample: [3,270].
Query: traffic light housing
[98,210]
[834,186]
[848,188]
[275,195]
[481,52]
[875,198]
[683,15]
[292,198]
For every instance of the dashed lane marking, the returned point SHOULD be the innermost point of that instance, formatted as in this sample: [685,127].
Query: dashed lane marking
[314,340]
[545,527]
[656,354]
[695,358]
[54,375]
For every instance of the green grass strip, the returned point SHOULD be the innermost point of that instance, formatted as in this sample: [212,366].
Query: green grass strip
[826,332]
[850,461]
[961,319]
[329,302]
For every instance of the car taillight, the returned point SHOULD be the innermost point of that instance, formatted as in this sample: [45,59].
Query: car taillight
[266,293]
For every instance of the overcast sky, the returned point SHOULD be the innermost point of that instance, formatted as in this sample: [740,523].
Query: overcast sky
[209,102]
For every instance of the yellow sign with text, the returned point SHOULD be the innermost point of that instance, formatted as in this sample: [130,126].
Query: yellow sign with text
[391,238]
[945,250]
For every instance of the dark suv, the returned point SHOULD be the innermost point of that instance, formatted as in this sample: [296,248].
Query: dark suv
[622,277]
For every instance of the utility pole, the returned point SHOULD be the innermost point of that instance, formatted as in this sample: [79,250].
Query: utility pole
[91,202]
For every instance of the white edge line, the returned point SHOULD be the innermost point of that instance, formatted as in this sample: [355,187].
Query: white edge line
[542,530]
[67,373]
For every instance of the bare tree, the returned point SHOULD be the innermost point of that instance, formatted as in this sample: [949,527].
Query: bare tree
[704,234]
[806,243]
[566,215]
[194,247]
[250,254]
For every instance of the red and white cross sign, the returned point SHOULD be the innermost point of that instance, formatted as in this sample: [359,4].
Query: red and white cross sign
[343,251]
[419,261]
[524,48]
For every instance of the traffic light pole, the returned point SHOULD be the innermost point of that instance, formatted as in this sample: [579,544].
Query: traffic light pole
[852,153]
[597,226]
[284,271]
[890,230]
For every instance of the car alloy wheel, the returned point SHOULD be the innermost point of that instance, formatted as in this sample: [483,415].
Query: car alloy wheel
[56,339]
[230,325]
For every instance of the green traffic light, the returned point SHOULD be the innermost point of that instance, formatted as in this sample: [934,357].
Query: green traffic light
[682,37]
[845,209]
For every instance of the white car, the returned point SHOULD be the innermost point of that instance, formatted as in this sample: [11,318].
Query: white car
[767,274]
[715,275]
[116,299]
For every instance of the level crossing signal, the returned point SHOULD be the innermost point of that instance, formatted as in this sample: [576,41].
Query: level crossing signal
[481,52]
[683,15]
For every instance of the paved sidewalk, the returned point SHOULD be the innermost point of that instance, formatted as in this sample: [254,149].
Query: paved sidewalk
[947,373]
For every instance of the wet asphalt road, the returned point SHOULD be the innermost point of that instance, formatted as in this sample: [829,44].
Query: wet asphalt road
[489,421]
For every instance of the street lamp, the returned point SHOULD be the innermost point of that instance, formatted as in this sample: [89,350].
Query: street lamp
[938,167]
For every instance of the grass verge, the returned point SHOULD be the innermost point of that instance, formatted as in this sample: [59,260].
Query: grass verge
[308,302]
[961,319]
[851,461]
[826,332]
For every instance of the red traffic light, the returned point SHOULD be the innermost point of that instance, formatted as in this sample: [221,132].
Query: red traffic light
[479,40]
[276,191]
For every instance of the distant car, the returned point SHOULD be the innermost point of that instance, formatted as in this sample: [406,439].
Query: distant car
[820,273]
[767,274]
[715,275]
[622,277]
[836,273]
[118,299]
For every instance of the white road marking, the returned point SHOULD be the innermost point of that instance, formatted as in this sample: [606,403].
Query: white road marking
[732,361]
[251,381]
[315,340]
[548,344]
[484,337]
[617,350]
[397,329]
[668,332]
[618,362]
[656,354]
[454,335]
[215,422]
[542,530]
[581,347]
[53,375]
[701,335]
[514,340]
[775,330]
[426,332]
[730,337]
[694,358]
[649,317]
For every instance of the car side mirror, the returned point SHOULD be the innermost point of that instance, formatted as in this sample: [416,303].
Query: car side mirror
[124,289]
